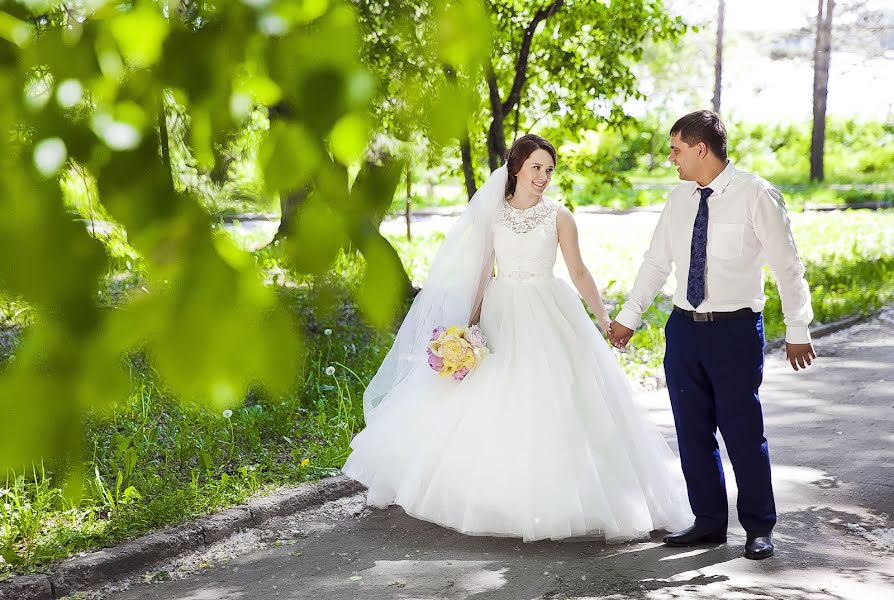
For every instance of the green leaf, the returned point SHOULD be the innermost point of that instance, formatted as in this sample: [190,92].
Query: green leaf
[381,293]
[316,237]
[64,58]
[448,112]
[349,138]
[463,33]
[41,419]
[217,330]
[206,463]
[375,186]
[15,31]
[201,133]
[40,272]
[137,190]
[289,156]
[261,89]
[303,11]
[140,35]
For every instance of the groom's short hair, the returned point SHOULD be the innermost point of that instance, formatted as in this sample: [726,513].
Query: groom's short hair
[703,126]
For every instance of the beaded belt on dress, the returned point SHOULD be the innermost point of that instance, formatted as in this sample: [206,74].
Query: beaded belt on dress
[524,274]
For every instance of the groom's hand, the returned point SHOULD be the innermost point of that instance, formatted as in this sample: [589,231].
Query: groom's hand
[799,355]
[619,334]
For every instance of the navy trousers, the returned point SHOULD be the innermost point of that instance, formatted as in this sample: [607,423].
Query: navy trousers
[713,374]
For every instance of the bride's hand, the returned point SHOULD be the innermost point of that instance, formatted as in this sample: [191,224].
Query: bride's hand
[619,334]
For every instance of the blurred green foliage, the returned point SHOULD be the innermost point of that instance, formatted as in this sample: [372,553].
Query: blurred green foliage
[130,117]
[624,166]
[615,166]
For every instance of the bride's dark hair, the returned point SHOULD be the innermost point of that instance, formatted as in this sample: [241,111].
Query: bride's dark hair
[519,153]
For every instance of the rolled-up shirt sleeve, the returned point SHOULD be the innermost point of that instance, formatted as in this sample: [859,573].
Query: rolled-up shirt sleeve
[657,264]
[773,230]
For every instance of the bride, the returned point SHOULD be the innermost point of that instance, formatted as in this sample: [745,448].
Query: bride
[542,439]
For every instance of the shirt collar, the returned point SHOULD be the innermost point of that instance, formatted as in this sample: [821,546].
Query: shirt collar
[720,182]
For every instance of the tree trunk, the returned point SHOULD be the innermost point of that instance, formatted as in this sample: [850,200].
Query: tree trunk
[409,213]
[496,135]
[465,149]
[164,140]
[718,57]
[496,144]
[221,171]
[288,205]
[821,59]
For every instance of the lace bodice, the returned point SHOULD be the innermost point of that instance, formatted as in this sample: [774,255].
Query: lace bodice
[526,219]
[525,241]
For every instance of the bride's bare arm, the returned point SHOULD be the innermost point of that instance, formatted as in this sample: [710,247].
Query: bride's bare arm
[580,274]
[486,276]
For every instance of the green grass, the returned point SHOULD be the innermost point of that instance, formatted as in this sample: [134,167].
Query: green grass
[850,265]
[806,195]
[434,200]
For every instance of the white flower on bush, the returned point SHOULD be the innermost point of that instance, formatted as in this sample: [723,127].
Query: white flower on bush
[277,275]
[227,413]
[330,370]
[327,331]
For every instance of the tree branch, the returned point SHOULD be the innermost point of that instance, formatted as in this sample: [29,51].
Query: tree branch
[521,65]
[465,146]
[494,89]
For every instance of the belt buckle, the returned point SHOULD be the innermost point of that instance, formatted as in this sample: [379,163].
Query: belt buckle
[702,317]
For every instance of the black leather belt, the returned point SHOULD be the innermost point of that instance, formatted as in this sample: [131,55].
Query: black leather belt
[707,317]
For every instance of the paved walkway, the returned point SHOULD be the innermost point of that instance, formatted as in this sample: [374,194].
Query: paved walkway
[831,432]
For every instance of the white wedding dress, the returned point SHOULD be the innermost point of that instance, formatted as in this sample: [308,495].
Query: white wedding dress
[543,439]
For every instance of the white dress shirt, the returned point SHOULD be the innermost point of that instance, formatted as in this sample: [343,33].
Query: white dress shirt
[747,228]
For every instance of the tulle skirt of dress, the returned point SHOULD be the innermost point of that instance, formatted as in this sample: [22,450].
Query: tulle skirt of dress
[542,440]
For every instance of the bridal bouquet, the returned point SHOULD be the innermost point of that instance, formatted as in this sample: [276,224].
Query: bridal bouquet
[454,351]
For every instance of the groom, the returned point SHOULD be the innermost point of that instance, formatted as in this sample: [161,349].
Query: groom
[719,229]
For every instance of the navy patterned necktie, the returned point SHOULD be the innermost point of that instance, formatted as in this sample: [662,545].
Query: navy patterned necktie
[698,254]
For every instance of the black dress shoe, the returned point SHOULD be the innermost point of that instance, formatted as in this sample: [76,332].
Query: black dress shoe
[757,548]
[695,535]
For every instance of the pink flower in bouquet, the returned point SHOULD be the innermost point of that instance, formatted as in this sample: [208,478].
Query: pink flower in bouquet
[435,361]
[475,336]
[437,331]
[461,374]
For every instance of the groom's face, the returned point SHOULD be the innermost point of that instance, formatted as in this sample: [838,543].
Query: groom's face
[684,157]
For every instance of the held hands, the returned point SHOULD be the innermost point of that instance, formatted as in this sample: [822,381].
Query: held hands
[619,335]
[799,355]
